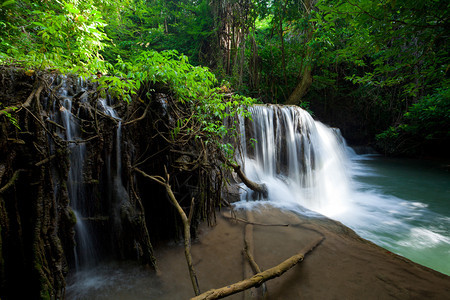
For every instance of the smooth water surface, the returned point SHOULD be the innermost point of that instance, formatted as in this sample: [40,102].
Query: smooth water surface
[402,205]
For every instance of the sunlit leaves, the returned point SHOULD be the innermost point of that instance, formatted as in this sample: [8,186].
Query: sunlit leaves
[66,35]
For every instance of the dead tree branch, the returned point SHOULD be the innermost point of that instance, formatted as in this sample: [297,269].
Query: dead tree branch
[186,223]
[248,251]
[259,278]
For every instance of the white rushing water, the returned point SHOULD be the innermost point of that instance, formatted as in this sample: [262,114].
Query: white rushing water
[117,193]
[300,160]
[65,112]
[84,252]
[308,169]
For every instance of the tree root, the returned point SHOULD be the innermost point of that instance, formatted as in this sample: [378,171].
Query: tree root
[11,181]
[46,160]
[254,223]
[248,251]
[139,118]
[256,187]
[186,223]
[27,102]
[261,277]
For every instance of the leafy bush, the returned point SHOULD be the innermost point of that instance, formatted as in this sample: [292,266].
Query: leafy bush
[426,127]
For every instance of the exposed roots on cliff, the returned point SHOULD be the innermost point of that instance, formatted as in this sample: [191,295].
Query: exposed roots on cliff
[156,133]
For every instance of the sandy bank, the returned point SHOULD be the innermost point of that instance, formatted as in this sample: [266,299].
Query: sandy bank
[343,266]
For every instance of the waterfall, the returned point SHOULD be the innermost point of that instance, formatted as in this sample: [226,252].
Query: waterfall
[84,252]
[117,193]
[302,161]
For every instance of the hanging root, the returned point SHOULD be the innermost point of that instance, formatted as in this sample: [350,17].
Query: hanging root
[186,223]
[261,277]
[27,103]
[11,181]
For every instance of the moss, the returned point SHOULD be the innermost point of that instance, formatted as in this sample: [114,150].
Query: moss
[45,294]
[72,218]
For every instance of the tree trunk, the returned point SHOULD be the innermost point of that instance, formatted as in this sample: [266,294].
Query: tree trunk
[302,87]
[283,55]
[305,76]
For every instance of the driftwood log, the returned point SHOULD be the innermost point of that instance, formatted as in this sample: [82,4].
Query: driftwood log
[259,278]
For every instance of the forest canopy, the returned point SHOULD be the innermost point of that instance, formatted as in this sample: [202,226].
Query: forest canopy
[373,68]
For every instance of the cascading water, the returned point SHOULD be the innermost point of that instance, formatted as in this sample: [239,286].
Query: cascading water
[306,164]
[300,160]
[117,193]
[84,252]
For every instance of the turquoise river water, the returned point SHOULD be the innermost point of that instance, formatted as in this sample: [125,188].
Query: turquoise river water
[402,205]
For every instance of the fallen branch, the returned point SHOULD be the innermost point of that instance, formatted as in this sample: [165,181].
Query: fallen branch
[261,277]
[186,223]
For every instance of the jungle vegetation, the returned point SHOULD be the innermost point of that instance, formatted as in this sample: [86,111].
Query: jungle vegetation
[377,69]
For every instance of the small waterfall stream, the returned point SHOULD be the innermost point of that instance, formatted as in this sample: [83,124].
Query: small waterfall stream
[85,250]
[65,112]
[117,192]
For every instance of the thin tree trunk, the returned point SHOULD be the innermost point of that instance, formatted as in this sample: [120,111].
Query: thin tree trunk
[186,224]
[283,54]
[302,87]
[241,69]
[305,76]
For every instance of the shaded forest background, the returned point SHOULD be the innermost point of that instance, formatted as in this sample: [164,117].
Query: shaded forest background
[376,69]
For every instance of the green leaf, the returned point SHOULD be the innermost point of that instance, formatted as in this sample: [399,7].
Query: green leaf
[8,2]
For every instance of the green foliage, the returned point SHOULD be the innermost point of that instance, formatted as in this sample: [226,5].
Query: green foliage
[9,116]
[426,125]
[193,86]
[66,35]
[397,43]
[186,26]
[370,59]
[430,117]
